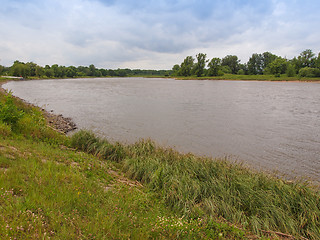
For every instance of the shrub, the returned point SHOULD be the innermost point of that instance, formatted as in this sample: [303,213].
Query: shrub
[9,113]
[241,72]
[291,71]
[309,72]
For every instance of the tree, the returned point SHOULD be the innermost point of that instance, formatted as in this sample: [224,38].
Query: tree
[198,68]
[20,69]
[232,62]
[291,72]
[267,58]
[92,70]
[243,69]
[255,64]
[71,71]
[306,58]
[317,61]
[186,66]
[39,71]
[31,68]
[1,69]
[278,66]
[214,66]
[175,70]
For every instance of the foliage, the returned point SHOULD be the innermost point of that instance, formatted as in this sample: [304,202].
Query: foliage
[175,70]
[306,58]
[258,64]
[278,67]
[187,66]
[232,62]
[9,113]
[309,72]
[214,67]
[32,70]
[255,64]
[291,72]
[199,66]
[241,72]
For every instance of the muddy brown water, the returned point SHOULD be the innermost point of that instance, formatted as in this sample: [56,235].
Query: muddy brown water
[267,125]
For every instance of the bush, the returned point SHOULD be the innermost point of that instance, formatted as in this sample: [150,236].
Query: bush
[291,71]
[9,113]
[241,72]
[309,72]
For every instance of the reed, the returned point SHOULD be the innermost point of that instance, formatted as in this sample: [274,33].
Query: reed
[215,188]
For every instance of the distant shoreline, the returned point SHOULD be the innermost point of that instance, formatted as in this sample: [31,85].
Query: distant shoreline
[226,77]
[259,78]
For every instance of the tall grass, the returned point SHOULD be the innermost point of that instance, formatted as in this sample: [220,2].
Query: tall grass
[215,188]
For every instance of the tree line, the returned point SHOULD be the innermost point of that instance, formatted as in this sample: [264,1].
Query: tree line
[30,69]
[307,64]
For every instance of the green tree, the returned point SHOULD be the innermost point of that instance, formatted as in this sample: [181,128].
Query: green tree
[278,66]
[1,69]
[267,58]
[214,67]
[291,71]
[232,62]
[306,58]
[71,71]
[226,69]
[92,70]
[186,66]
[199,67]
[317,61]
[175,70]
[20,69]
[32,68]
[48,71]
[255,64]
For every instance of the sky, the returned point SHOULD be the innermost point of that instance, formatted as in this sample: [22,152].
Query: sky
[154,34]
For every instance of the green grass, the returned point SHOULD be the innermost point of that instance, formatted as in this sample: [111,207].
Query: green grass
[50,191]
[203,187]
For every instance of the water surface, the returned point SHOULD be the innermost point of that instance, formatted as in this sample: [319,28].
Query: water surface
[268,125]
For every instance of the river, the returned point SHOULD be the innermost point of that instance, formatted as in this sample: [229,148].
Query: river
[274,126]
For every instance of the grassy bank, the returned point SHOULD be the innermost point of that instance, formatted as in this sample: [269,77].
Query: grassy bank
[84,187]
[283,78]
[51,191]
[216,189]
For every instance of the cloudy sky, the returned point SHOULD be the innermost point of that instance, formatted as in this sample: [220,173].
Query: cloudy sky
[153,34]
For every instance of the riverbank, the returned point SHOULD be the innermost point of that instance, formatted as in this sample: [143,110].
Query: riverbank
[235,77]
[50,189]
[56,121]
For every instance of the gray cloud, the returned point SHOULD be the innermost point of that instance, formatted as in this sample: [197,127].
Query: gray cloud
[152,34]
